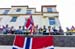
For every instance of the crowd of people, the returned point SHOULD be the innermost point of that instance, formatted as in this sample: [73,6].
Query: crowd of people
[35,30]
[71,30]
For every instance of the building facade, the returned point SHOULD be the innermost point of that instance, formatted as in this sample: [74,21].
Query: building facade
[17,15]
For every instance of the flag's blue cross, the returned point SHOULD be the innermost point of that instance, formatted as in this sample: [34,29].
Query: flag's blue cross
[27,44]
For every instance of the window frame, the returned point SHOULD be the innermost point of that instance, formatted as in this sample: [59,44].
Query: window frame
[18,10]
[52,21]
[6,12]
[13,20]
[29,12]
[49,10]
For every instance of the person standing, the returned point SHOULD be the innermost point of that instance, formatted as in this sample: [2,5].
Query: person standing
[45,30]
[7,29]
[19,31]
[12,30]
[23,30]
[61,32]
[55,31]
[49,30]
[40,31]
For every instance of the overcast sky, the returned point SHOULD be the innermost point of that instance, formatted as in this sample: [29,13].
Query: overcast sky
[66,8]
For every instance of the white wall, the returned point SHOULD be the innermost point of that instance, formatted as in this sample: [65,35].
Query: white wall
[45,21]
[57,22]
[41,21]
[23,10]
[2,10]
[44,9]
[51,14]
[54,9]
[19,22]
[38,20]
[13,10]
[5,20]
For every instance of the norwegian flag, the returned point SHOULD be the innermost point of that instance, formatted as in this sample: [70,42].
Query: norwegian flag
[29,24]
[43,42]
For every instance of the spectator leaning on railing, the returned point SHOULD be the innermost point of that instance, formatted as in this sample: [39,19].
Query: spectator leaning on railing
[45,30]
[49,30]
[41,31]
[55,31]
[73,29]
[23,30]
[7,29]
[36,31]
[12,30]
[61,32]
[70,30]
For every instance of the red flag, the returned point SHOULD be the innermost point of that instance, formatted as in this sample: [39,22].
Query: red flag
[19,41]
[30,23]
[42,42]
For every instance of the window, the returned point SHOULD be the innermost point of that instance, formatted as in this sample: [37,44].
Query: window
[14,19]
[18,10]
[49,9]
[28,12]
[6,12]
[52,21]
